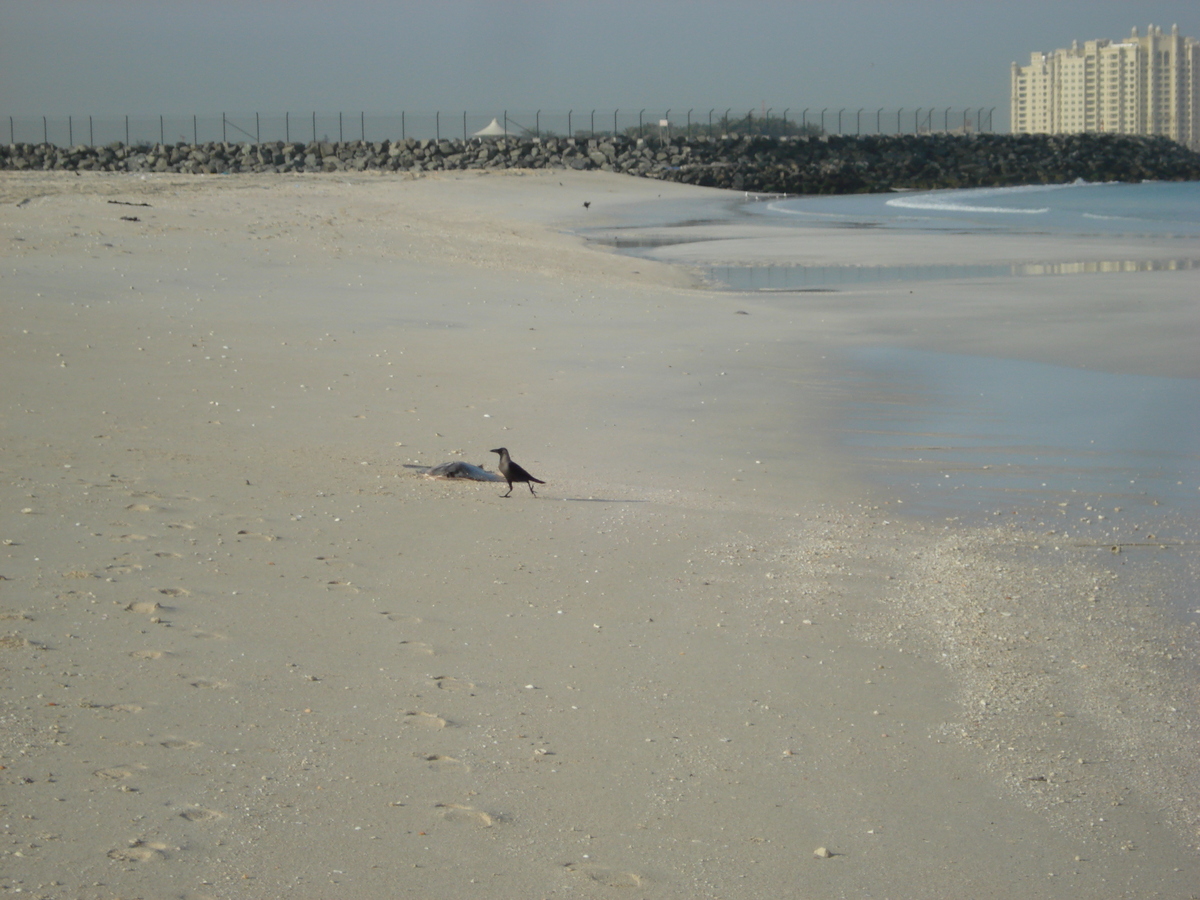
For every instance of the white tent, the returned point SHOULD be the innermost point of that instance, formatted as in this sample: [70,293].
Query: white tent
[493,129]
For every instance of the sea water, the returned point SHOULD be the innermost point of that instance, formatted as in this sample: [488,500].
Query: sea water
[967,435]
[1149,209]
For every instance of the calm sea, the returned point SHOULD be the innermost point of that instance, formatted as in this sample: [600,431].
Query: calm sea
[1150,209]
[1147,209]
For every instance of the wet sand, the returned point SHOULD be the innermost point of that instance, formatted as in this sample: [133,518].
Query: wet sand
[247,652]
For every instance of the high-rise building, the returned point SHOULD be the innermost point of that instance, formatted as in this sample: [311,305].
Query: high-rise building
[1145,84]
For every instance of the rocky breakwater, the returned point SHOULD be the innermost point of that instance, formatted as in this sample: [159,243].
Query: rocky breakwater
[833,164]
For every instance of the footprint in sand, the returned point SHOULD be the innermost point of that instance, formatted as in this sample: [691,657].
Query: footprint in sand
[444,764]
[140,507]
[257,534]
[456,812]
[116,773]
[178,744]
[186,526]
[210,684]
[16,641]
[113,707]
[129,538]
[200,814]
[150,654]
[450,683]
[425,720]
[144,607]
[400,617]
[139,852]
[417,647]
[608,877]
[166,554]
[174,592]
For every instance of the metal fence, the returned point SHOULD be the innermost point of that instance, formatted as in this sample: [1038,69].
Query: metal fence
[258,128]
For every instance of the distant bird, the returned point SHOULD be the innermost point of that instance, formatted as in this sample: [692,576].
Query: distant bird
[587,204]
[513,473]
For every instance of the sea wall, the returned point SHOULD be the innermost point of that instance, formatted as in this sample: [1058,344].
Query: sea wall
[834,164]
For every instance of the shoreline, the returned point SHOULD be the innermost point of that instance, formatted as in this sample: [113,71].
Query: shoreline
[269,659]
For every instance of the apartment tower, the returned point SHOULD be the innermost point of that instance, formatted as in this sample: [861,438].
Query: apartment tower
[1145,84]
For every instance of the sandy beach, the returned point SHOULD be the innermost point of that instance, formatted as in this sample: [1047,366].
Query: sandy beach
[249,651]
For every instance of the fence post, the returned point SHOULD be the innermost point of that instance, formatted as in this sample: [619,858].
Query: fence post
[257,131]
[537,125]
[402,135]
[900,110]
[70,132]
[314,126]
[127,131]
[593,124]
[570,133]
[858,123]
[340,139]
[641,132]
[506,123]
[287,128]
[91,139]
[990,111]
[195,132]
[12,135]
[362,125]
[615,111]
[162,133]
[437,124]
[224,136]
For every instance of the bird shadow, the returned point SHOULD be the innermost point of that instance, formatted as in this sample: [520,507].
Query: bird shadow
[456,471]
[468,475]
[602,500]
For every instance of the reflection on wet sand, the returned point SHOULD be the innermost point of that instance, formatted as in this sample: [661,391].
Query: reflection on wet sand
[800,278]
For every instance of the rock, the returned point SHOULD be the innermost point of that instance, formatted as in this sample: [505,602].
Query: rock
[832,164]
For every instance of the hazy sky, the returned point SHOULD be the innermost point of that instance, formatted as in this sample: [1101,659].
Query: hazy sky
[137,57]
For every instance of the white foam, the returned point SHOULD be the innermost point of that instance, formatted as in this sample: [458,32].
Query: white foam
[932,203]
[941,202]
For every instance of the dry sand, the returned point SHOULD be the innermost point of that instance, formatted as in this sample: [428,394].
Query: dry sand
[247,653]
